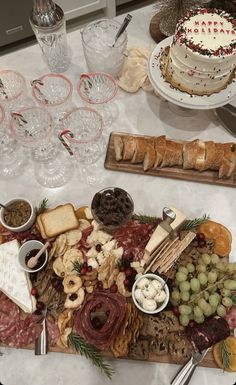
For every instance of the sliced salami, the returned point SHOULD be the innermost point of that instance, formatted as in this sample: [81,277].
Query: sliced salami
[231,318]
[53,332]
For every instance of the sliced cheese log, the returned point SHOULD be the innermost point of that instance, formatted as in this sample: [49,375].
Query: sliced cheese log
[14,282]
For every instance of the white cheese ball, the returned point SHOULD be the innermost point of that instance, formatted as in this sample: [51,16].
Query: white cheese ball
[139,296]
[149,304]
[149,292]
[156,284]
[142,283]
[160,296]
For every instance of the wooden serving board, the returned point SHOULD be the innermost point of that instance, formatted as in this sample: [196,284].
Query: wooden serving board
[168,172]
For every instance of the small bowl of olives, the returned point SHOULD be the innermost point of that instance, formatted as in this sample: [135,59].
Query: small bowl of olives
[112,207]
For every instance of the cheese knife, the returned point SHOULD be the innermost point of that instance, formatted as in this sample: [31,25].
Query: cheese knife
[227,116]
[185,373]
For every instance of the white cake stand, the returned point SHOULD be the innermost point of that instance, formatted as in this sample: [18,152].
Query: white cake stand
[182,102]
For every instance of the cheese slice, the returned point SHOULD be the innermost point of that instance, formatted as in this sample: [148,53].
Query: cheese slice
[160,234]
[15,282]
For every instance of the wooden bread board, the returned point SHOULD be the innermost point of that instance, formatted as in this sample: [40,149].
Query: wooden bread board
[168,172]
[208,361]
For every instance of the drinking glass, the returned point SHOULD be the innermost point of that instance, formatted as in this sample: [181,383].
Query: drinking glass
[12,89]
[12,159]
[82,136]
[54,92]
[100,52]
[34,128]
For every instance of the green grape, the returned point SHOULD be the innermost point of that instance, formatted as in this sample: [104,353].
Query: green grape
[208,310]
[206,295]
[175,295]
[221,311]
[221,266]
[226,301]
[184,286]
[183,269]
[230,284]
[212,277]
[199,320]
[214,300]
[206,259]
[230,267]
[202,277]
[181,277]
[185,296]
[190,267]
[185,309]
[197,311]
[195,284]
[221,275]
[201,268]
[225,292]
[202,303]
[215,259]
[213,289]
[192,297]
[184,319]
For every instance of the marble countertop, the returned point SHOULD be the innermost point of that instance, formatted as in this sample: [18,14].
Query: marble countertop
[142,113]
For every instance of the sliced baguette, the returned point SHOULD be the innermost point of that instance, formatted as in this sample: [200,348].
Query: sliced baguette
[58,220]
[173,155]
[160,147]
[129,147]
[140,149]
[149,157]
[118,145]
[194,155]
[228,166]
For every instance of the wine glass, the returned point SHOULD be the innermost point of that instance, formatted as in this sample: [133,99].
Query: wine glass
[34,128]
[12,161]
[12,90]
[54,92]
[82,129]
[99,89]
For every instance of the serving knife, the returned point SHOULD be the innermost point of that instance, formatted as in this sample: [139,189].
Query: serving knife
[227,116]
[41,347]
[185,373]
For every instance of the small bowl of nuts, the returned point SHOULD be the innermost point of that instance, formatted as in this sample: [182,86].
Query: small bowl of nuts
[112,207]
[150,293]
[18,215]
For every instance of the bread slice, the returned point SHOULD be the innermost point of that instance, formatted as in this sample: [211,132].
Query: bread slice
[129,147]
[228,165]
[140,149]
[58,220]
[118,145]
[40,227]
[160,147]
[173,155]
[194,155]
[149,157]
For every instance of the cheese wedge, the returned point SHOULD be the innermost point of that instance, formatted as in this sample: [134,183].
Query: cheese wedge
[15,282]
[161,234]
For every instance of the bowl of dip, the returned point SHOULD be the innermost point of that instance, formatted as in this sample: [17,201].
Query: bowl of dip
[20,216]
[150,293]
[30,249]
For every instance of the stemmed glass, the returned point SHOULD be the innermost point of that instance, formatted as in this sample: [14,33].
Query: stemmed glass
[12,161]
[34,128]
[99,89]
[82,137]
[54,92]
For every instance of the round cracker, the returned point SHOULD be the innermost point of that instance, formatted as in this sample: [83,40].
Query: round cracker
[73,237]
[59,267]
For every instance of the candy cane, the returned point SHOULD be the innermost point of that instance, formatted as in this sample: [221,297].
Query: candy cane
[65,144]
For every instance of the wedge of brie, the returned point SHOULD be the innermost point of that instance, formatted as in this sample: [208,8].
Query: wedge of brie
[15,282]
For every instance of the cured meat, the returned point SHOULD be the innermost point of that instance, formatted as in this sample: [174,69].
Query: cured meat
[15,331]
[213,330]
[103,337]
[231,318]
[53,331]
[133,237]
[85,234]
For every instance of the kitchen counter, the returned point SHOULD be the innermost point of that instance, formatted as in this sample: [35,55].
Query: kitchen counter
[142,113]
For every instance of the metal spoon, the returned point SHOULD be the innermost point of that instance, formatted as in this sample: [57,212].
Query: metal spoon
[41,344]
[227,115]
[7,208]
[32,262]
[123,27]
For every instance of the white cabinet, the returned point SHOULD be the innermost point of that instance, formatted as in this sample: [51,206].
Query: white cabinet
[76,8]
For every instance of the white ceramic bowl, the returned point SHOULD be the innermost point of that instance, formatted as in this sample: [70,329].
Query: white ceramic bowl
[27,224]
[162,304]
[25,249]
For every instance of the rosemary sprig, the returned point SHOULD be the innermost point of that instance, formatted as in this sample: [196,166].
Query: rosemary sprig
[192,223]
[144,218]
[87,350]
[77,266]
[225,356]
[42,206]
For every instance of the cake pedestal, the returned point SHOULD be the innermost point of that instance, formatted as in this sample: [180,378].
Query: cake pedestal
[188,103]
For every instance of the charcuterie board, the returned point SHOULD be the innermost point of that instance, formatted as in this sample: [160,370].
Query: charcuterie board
[175,172]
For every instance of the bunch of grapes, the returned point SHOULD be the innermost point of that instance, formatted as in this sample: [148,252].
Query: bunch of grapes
[203,288]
